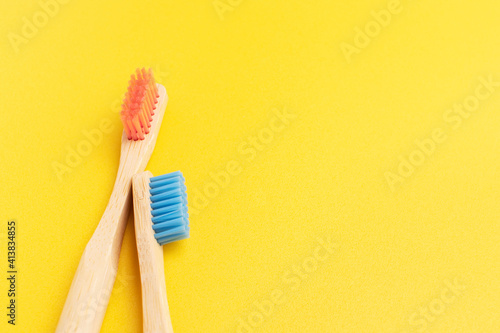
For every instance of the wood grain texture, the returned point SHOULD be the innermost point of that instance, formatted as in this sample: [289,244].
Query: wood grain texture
[156,316]
[92,284]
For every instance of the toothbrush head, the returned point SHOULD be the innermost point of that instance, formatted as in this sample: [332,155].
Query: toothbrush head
[139,104]
[169,207]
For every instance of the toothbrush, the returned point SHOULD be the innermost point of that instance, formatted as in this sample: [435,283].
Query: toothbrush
[88,297]
[160,217]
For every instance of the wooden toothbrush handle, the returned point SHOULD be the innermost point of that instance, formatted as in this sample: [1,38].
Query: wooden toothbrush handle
[156,316]
[93,281]
[89,294]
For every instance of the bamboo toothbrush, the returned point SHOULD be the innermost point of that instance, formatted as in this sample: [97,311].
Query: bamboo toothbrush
[88,297]
[160,217]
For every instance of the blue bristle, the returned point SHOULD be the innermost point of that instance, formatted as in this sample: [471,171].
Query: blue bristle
[169,207]
[167,176]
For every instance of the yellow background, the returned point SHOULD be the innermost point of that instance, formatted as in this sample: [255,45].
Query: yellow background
[322,176]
